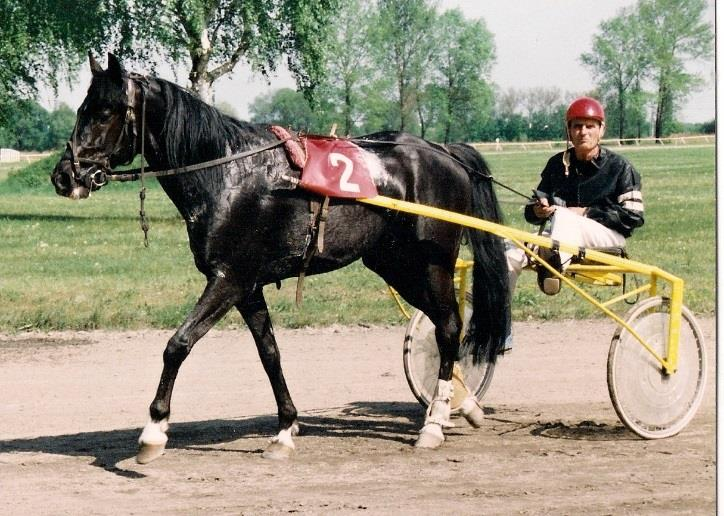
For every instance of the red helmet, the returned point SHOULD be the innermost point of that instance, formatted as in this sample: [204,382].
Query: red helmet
[585,107]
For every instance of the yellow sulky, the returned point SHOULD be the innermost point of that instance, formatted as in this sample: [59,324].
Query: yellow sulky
[608,264]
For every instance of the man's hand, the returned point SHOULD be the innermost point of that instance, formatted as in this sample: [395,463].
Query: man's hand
[542,210]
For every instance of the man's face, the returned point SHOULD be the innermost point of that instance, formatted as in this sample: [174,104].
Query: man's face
[585,133]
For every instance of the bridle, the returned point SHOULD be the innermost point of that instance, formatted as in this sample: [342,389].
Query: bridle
[100,170]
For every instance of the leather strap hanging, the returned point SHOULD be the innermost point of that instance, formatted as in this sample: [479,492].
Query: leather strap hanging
[315,237]
[318,211]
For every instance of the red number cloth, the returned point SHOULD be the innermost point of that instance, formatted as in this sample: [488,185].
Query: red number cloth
[336,168]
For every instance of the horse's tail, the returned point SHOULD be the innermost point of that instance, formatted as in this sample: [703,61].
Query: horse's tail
[490,321]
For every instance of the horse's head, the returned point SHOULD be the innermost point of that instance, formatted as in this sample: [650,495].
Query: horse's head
[105,133]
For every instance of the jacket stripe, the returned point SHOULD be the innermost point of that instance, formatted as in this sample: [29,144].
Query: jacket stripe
[633,195]
[634,205]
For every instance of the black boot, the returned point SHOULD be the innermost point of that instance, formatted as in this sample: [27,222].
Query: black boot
[547,282]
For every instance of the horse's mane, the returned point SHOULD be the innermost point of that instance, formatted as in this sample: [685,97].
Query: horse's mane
[194,131]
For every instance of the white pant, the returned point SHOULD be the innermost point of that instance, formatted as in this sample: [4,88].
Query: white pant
[569,228]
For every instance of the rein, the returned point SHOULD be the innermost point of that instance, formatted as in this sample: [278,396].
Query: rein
[141,173]
[105,173]
[101,171]
[362,141]
[136,173]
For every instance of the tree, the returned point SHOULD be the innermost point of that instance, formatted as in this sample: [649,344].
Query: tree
[42,40]
[29,127]
[284,107]
[541,100]
[673,34]
[403,50]
[227,109]
[531,114]
[464,56]
[432,111]
[509,101]
[348,66]
[379,109]
[618,61]
[209,36]
[651,42]
[213,36]
[510,127]
[544,113]
[61,123]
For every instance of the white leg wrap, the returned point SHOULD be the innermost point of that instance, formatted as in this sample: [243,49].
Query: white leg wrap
[284,437]
[433,430]
[439,410]
[437,417]
[472,412]
[154,433]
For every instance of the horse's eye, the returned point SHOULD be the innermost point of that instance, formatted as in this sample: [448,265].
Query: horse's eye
[104,117]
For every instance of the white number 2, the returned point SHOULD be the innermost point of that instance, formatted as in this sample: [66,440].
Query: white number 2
[344,183]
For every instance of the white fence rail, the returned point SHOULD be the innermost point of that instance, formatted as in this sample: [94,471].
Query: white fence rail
[9,156]
[500,146]
[14,156]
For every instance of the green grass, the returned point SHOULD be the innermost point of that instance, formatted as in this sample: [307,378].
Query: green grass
[82,265]
[8,168]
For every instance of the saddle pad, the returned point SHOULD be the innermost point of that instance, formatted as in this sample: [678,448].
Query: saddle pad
[294,150]
[337,168]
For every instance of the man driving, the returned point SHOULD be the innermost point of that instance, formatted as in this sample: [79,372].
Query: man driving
[590,195]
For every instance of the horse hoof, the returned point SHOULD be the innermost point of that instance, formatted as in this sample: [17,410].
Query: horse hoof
[278,451]
[149,452]
[472,412]
[430,437]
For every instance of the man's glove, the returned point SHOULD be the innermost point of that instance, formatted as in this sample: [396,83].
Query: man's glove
[552,199]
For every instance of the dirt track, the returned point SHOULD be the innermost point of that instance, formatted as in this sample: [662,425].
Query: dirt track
[73,404]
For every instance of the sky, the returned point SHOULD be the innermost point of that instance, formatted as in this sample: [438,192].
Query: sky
[538,44]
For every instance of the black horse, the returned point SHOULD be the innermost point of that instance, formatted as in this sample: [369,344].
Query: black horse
[248,228]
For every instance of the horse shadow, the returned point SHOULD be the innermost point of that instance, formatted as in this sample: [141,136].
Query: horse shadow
[389,421]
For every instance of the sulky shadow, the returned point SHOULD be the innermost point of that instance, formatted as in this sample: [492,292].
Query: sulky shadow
[584,431]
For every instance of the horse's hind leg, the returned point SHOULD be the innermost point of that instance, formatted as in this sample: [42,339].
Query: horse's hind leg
[218,297]
[429,287]
[442,309]
[256,316]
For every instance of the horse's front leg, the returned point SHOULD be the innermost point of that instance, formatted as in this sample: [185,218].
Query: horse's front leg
[218,297]
[256,316]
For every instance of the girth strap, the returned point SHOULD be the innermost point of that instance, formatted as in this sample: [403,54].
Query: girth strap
[318,212]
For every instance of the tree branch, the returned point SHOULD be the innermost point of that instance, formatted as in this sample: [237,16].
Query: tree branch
[228,65]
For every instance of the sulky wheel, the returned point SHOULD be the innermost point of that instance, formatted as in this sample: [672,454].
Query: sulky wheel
[421,359]
[649,402]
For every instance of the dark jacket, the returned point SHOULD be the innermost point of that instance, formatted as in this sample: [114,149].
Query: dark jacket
[608,186]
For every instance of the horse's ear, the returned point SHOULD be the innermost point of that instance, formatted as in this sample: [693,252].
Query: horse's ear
[96,69]
[115,68]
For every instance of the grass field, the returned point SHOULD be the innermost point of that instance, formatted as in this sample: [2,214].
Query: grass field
[8,168]
[82,265]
